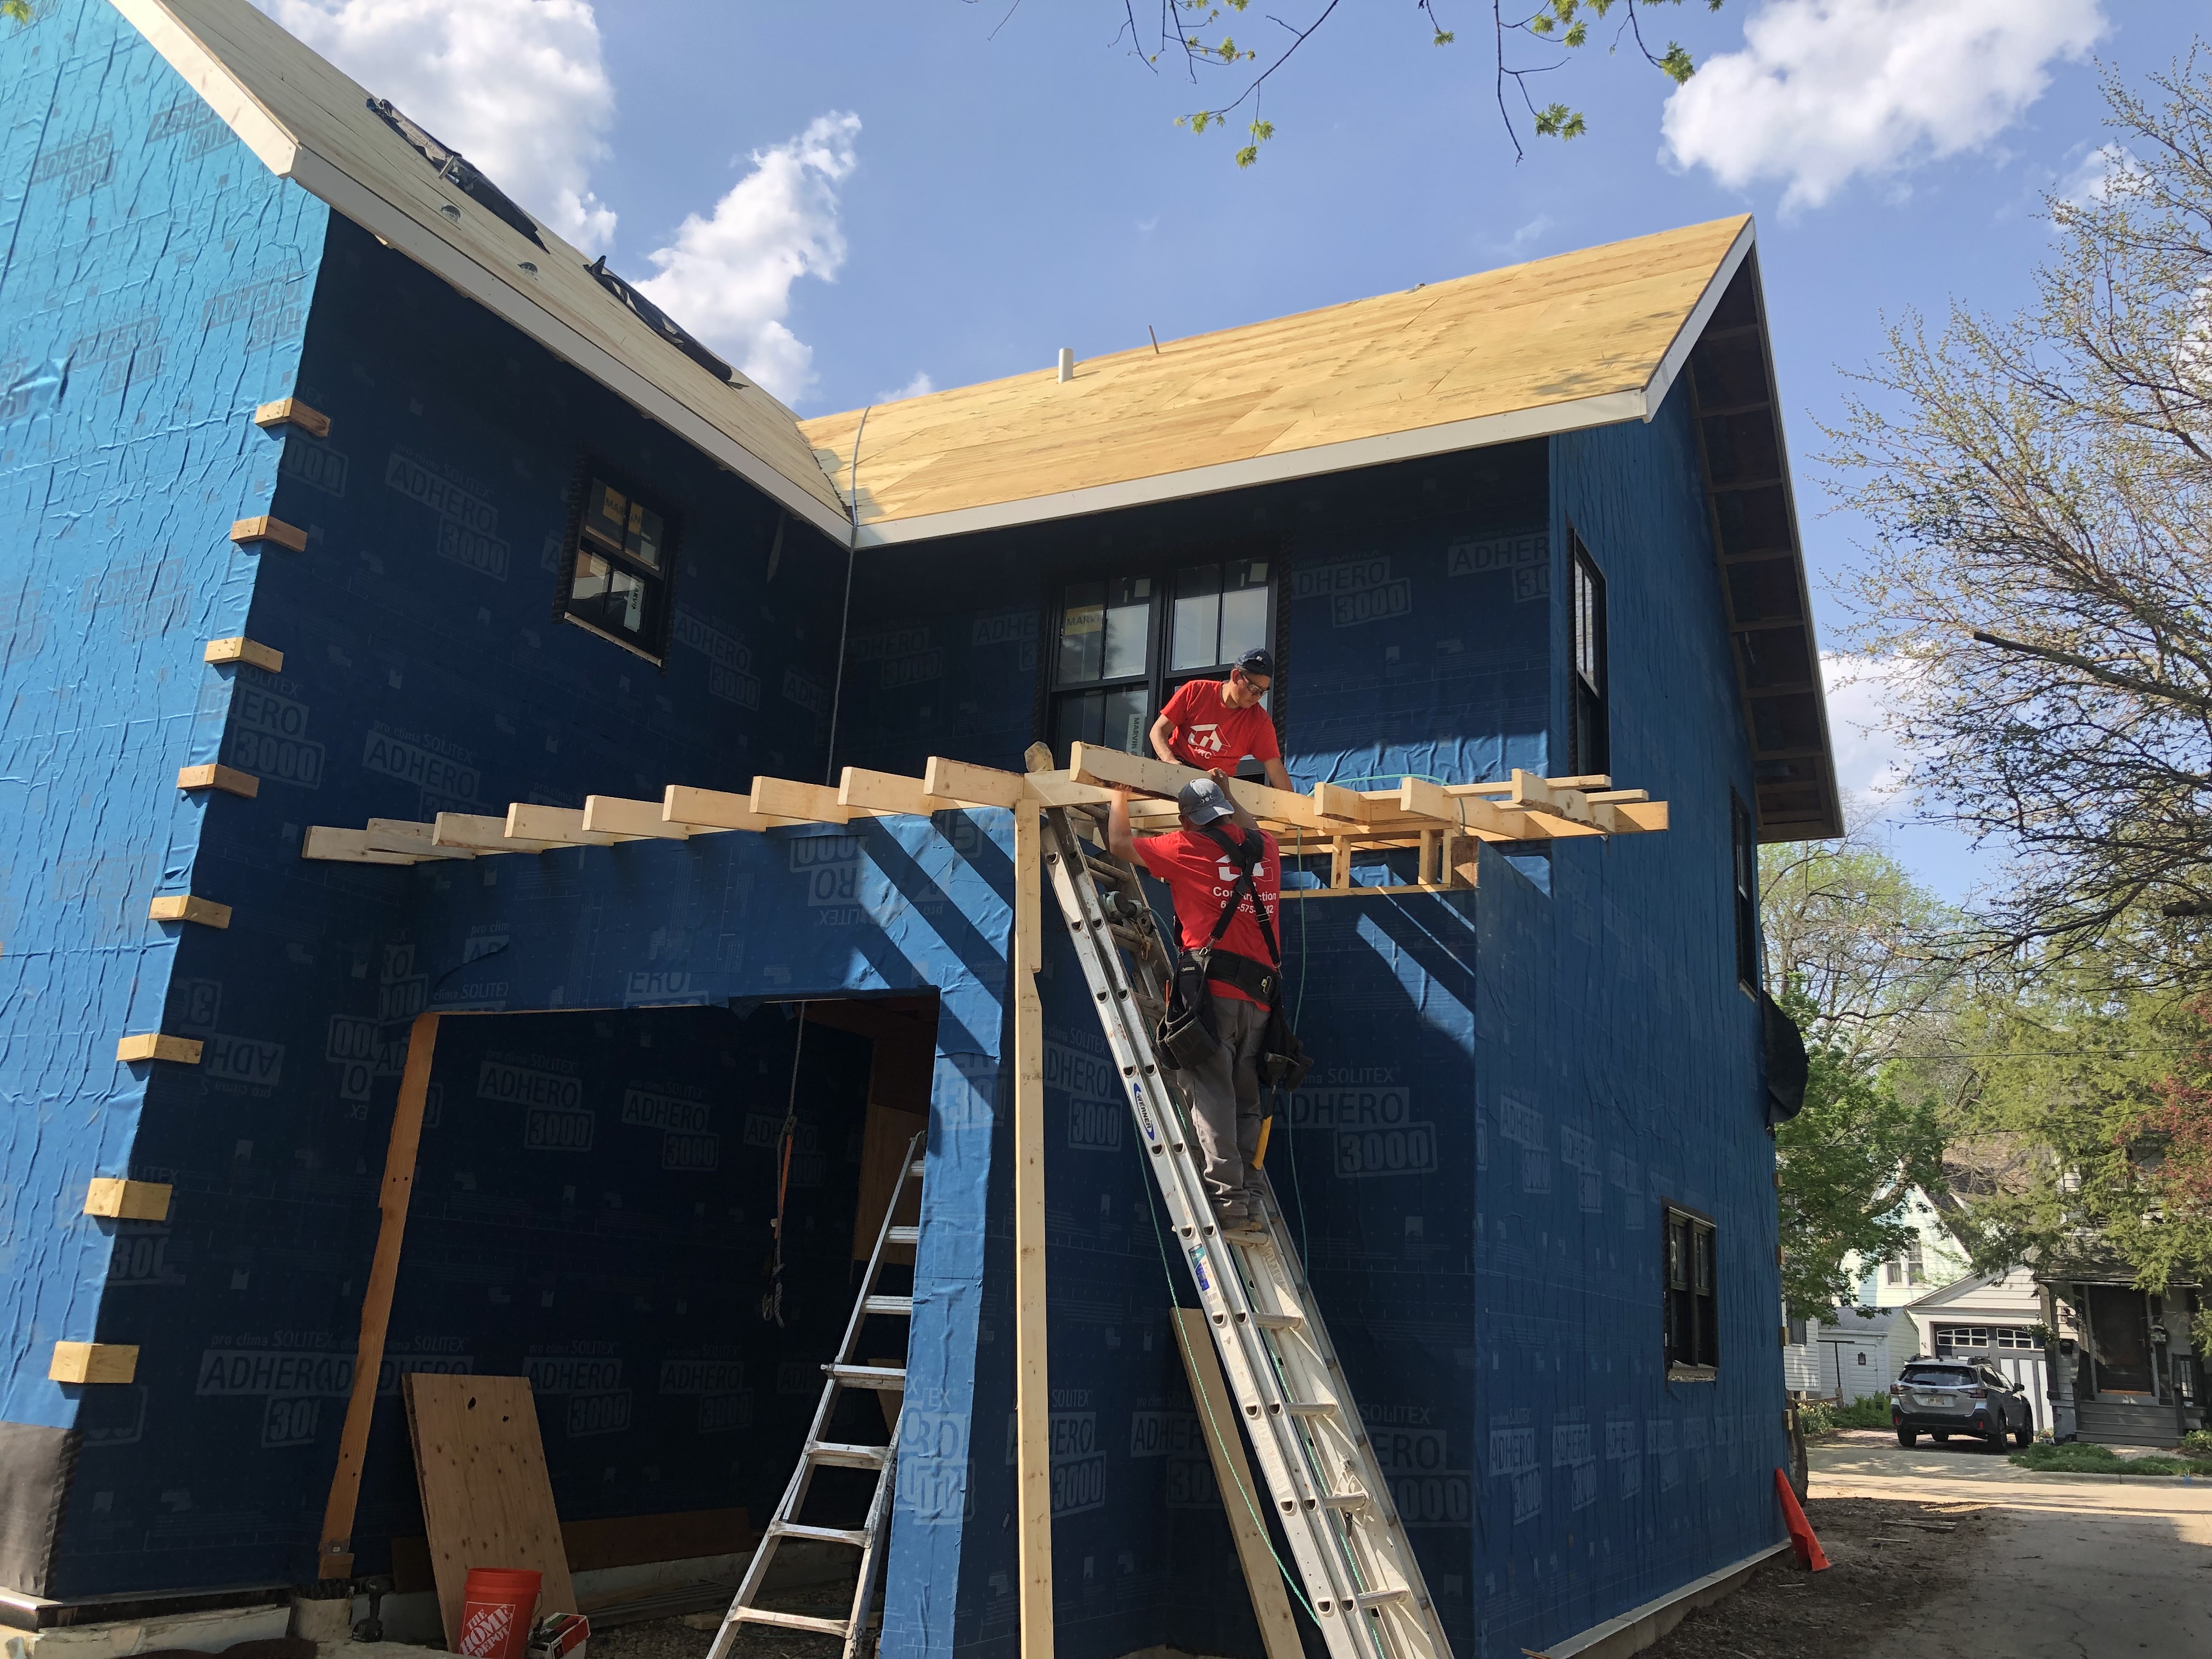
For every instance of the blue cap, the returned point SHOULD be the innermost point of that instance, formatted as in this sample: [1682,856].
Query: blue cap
[1203,801]
[1257,661]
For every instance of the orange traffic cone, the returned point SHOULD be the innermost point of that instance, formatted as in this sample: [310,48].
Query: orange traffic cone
[1800,1529]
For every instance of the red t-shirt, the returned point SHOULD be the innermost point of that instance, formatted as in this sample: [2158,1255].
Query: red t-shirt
[1199,876]
[1208,733]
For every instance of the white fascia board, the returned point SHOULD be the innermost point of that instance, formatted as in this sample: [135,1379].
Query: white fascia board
[1693,326]
[207,76]
[321,177]
[1607,409]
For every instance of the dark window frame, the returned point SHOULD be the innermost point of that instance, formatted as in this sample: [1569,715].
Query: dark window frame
[1589,734]
[1743,882]
[1689,1287]
[1158,682]
[653,646]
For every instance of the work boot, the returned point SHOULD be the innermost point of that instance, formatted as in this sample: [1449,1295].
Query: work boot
[1236,1214]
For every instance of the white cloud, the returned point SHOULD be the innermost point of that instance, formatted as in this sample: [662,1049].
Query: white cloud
[517,86]
[1825,90]
[728,277]
[920,386]
[2091,178]
[1872,769]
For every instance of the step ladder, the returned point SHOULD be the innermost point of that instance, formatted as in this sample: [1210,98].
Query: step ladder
[842,1374]
[1327,1491]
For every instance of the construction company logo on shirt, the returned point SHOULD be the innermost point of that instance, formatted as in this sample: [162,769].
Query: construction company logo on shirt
[1205,739]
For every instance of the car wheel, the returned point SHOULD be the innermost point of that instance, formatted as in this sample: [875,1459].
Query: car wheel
[1907,1438]
[1940,1437]
[2024,1436]
[1996,1440]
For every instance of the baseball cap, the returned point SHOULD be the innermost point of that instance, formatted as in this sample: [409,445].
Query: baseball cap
[1202,801]
[1258,661]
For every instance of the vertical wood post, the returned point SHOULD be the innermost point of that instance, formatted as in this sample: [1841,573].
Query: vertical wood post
[336,1554]
[1032,1419]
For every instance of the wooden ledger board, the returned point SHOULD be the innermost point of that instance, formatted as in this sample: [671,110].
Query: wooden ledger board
[487,1501]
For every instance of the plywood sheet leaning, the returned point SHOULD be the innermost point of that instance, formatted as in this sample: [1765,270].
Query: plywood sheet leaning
[487,1501]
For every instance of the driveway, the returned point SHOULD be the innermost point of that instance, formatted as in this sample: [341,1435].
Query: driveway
[2071,1567]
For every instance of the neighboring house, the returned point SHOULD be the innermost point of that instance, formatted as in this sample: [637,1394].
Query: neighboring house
[1852,1353]
[342,500]
[2131,1356]
[1996,1320]
[1933,1258]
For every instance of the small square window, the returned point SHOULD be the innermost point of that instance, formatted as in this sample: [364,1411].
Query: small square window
[616,581]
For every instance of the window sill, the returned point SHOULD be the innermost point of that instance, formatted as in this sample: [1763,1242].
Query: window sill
[1693,1374]
[575,621]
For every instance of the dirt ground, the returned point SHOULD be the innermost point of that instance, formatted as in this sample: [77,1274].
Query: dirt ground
[1786,1612]
[691,1636]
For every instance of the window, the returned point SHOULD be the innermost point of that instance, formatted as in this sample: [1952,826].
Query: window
[1692,1322]
[618,579]
[1127,642]
[2015,1336]
[1588,745]
[1747,894]
[1911,1268]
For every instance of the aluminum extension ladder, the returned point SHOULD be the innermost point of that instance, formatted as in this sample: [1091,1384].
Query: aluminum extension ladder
[1328,1493]
[842,1374]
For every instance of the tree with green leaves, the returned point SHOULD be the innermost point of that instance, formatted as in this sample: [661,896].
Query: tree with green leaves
[1853,954]
[2040,490]
[1525,47]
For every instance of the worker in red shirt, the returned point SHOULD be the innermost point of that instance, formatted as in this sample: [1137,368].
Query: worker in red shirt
[1216,723]
[1203,863]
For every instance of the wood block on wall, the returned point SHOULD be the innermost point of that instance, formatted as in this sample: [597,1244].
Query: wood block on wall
[128,1200]
[291,412]
[229,779]
[155,1045]
[263,528]
[242,649]
[188,906]
[94,1362]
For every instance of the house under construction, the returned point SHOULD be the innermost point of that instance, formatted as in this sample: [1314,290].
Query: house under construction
[506,834]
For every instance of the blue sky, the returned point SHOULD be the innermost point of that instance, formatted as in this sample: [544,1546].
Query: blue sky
[890,189]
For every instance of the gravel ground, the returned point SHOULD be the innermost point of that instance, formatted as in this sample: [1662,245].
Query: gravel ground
[1884,1561]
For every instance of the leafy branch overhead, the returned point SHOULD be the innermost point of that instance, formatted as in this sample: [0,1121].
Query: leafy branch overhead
[1184,29]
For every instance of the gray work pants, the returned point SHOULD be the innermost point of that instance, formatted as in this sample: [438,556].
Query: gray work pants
[1224,1089]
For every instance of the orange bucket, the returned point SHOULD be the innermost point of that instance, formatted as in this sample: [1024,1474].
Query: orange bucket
[497,1604]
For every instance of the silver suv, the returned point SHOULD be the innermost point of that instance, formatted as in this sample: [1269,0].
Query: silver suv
[1942,1398]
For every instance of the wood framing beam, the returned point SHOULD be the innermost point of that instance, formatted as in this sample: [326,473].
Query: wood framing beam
[795,802]
[711,809]
[478,834]
[561,825]
[986,786]
[242,649]
[890,792]
[333,846]
[1232,1477]
[1032,1397]
[610,815]
[291,412]
[93,1361]
[335,1557]
[157,1045]
[408,837]
[229,779]
[1116,768]
[266,529]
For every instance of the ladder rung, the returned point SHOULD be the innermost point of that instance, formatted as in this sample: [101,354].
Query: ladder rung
[841,1455]
[856,1536]
[901,1305]
[1106,870]
[788,1620]
[1375,1598]
[903,1235]
[915,1170]
[1136,944]
[1346,1500]
[890,1378]
[1312,1407]
[1274,1321]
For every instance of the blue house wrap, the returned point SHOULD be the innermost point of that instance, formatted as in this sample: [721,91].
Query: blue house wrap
[1517,1078]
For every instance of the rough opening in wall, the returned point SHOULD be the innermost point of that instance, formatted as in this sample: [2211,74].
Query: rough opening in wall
[597,1200]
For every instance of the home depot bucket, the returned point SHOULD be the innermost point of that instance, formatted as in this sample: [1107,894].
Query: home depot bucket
[497,1604]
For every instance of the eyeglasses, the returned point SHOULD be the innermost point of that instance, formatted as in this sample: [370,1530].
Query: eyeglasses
[1253,680]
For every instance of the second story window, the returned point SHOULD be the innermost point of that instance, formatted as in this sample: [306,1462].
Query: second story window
[1692,1302]
[1744,855]
[1588,745]
[1127,642]
[618,579]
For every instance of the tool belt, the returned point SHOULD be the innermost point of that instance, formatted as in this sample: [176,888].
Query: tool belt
[1188,1035]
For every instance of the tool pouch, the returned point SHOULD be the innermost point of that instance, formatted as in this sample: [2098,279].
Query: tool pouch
[1187,1035]
[1283,1062]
